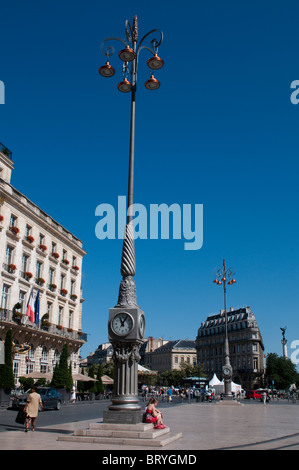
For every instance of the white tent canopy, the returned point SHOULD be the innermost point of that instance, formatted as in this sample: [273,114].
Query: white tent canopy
[219,385]
[214,381]
[144,370]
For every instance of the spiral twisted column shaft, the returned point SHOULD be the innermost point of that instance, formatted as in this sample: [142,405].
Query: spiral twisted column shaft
[127,288]
[128,264]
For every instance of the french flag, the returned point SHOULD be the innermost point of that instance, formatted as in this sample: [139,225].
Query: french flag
[30,307]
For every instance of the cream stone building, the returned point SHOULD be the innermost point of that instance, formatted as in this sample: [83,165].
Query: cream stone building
[171,355]
[246,348]
[37,254]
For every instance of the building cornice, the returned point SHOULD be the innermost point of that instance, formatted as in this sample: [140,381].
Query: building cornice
[32,211]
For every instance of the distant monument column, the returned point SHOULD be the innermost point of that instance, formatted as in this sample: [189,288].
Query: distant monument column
[284,343]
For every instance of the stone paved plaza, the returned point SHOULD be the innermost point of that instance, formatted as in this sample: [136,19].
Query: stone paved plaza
[251,426]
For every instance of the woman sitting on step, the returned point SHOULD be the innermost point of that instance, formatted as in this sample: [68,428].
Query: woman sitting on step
[153,415]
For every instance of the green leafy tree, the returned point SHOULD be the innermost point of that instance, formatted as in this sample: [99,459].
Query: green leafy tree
[26,382]
[62,376]
[281,370]
[6,369]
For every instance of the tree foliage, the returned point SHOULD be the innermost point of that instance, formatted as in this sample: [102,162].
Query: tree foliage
[62,375]
[176,377]
[281,371]
[6,369]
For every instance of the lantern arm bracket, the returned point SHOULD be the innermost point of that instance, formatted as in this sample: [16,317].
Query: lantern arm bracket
[109,50]
[154,42]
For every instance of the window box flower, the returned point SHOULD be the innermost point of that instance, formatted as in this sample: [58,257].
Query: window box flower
[45,324]
[63,291]
[59,327]
[76,268]
[74,296]
[14,230]
[1,218]
[11,268]
[30,238]
[80,333]
[43,247]
[52,287]
[55,255]
[40,280]
[65,261]
[70,330]
[28,275]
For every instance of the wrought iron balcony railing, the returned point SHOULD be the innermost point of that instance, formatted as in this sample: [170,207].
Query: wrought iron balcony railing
[5,151]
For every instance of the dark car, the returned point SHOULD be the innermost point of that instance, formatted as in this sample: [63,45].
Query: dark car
[50,397]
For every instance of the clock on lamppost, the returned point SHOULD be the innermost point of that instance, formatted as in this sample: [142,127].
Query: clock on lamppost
[126,323]
[224,277]
[122,324]
[227,371]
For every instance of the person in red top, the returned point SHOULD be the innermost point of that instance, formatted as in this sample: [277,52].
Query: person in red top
[153,415]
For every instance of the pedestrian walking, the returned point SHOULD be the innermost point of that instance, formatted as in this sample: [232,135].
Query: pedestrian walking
[32,406]
[169,393]
[73,395]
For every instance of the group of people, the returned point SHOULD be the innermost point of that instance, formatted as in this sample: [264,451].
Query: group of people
[34,403]
[164,392]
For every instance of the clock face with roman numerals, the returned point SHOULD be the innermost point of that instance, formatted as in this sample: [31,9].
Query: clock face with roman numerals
[122,324]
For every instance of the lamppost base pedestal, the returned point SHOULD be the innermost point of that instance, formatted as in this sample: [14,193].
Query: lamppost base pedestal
[227,397]
[123,416]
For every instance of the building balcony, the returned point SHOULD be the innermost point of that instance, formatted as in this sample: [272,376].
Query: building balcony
[5,151]
[9,318]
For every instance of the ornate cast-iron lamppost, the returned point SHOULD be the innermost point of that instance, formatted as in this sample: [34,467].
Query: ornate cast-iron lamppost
[126,324]
[226,276]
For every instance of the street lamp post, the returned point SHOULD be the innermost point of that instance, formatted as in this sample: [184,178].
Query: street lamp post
[126,323]
[225,276]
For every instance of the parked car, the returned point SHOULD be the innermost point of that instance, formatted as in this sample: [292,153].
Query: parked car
[253,394]
[50,397]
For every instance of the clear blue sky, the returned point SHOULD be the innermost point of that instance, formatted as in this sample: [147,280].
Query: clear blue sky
[221,131]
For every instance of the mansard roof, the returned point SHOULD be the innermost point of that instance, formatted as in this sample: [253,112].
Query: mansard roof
[177,344]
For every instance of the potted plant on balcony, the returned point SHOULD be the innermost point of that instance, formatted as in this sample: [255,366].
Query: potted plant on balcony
[74,296]
[14,230]
[28,275]
[43,247]
[11,268]
[76,268]
[40,281]
[63,291]
[59,327]
[65,261]
[30,238]
[52,287]
[16,314]
[55,255]
[1,218]
[45,324]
